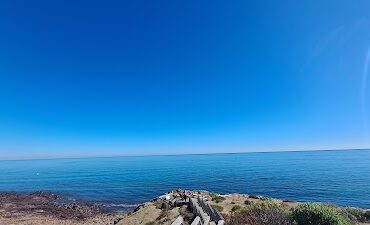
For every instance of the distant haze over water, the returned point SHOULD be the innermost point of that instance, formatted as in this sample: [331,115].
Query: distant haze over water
[339,177]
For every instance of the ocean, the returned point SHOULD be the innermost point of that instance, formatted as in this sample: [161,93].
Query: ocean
[338,177]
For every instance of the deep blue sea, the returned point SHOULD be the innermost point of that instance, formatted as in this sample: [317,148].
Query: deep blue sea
[340,177]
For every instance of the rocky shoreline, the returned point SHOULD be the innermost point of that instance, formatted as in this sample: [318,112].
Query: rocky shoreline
[43,208]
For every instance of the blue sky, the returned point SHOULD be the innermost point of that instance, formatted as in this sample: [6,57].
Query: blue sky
[91,78]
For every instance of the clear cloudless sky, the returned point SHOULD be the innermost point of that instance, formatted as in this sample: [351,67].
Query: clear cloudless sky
[99,78]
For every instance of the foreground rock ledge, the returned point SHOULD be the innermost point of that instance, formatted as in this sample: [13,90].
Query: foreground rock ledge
[41,208]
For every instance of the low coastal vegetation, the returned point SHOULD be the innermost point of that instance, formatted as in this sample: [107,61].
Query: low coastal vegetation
[239,209]
[270,212]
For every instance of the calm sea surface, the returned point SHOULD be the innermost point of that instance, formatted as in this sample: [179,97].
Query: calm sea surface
[340,177]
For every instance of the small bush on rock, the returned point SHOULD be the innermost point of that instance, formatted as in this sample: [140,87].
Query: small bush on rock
[218,207]
[236,208]
[217,198]
[247,202]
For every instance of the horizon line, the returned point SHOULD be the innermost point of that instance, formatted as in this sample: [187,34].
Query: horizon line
[185,154]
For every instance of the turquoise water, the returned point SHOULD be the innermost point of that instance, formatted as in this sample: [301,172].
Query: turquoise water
[340,177]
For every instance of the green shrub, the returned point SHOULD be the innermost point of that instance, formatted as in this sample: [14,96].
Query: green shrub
[260,213]
[158,204]
[217,198]
[318,214]
[236,208]
[218,207]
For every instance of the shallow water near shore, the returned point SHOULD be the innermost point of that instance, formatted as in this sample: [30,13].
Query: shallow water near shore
[339,177]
